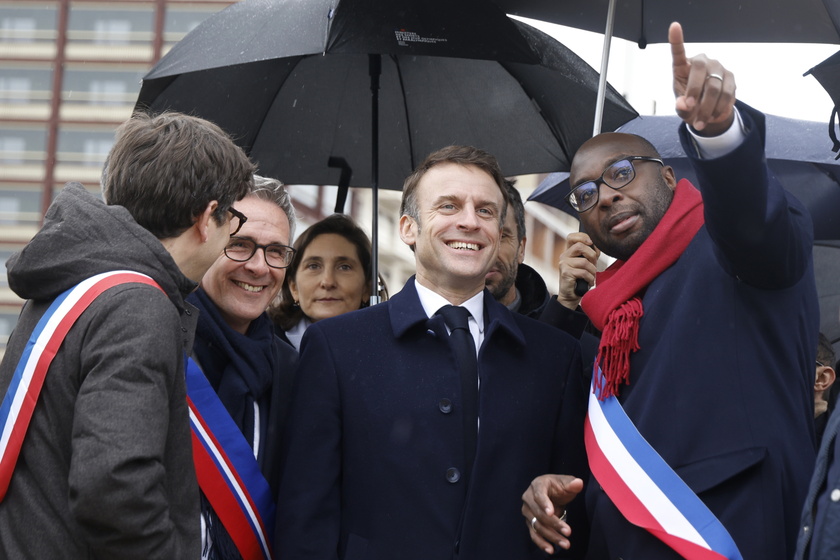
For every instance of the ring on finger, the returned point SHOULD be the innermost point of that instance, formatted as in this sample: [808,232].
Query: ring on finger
[534,524]
[715,76]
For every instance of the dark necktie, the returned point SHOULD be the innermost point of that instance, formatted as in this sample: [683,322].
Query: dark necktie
[463,345]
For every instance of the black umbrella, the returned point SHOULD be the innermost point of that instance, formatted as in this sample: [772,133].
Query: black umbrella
[827,74]
[727,21]
[795,154]
[647,21]
[379,85]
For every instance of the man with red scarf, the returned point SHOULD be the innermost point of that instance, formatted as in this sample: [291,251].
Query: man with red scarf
[709,321]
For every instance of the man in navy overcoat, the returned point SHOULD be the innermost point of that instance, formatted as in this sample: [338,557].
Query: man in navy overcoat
[721,382]
[376,465]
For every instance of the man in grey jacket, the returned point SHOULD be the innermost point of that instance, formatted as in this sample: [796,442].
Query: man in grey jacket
[105,467]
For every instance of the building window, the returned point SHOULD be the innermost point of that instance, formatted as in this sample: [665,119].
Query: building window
[17,29]
[111,31]
[14,89]
[96,150]
[12,149]
[107,92]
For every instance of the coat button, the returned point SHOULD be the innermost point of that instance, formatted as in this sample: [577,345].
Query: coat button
[431,332]
[835,495]
[453,475]
[445,406]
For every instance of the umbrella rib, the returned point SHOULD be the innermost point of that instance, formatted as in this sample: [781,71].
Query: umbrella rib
[405,108]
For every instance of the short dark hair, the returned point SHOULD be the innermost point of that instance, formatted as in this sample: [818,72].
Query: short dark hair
[285,313]
[517,206]
[461,155]
[166,169]
[825,352]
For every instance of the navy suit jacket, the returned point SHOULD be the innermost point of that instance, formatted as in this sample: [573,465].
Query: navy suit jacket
[375,457]
[722,386]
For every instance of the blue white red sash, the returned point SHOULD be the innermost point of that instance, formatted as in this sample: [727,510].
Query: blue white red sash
[645,489]
[227,471]
[28,379]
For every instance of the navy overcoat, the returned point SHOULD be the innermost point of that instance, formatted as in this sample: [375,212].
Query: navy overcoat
[375,463]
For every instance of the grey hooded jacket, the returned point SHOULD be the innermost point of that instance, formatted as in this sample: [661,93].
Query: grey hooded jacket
[106,467]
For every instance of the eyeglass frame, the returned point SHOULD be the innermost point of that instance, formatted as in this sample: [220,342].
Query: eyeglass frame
[290,251]
[600,180]
[819,363]
[240,216]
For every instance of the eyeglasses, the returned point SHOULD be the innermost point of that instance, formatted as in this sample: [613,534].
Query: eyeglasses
[616,176]
[241,249]
[239,216]
[819,363]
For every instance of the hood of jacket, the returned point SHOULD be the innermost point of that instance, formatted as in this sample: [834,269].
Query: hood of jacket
[81,237]
[532,290]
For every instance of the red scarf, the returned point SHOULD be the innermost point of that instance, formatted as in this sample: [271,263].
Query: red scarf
[615,305]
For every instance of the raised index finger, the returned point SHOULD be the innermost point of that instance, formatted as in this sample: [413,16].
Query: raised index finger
[675,37]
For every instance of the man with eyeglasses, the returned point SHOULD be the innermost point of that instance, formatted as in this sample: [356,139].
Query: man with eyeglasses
[99,461]
[239,375]
[699,429]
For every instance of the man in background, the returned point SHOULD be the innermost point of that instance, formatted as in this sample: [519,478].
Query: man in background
[510,281]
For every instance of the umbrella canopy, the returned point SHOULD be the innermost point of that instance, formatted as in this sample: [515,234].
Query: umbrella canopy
[827,74]
[646,21]
[804,166]
[291,82]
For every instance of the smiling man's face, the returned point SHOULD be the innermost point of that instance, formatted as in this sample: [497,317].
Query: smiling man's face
[457,238]
[243,290]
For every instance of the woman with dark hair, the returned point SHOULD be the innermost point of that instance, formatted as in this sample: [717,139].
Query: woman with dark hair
[329,275]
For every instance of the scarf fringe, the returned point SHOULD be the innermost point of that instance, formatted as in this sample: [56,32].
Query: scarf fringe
[618,340]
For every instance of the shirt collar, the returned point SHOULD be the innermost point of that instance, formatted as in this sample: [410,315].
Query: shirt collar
[432,302]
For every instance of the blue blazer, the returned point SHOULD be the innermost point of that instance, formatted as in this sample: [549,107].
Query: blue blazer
[722,386]
[375,459]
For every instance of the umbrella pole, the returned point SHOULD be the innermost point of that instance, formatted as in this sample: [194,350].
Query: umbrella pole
[375,66]
[605,62]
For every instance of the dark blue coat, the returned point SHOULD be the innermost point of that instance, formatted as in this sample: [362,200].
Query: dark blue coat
[722,386]
[376,445]
[819,532]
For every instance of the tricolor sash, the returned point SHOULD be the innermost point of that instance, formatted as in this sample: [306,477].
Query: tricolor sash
[647,492]
[227,471]
[29,375]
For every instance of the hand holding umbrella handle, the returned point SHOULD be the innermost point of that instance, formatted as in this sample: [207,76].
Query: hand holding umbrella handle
[581,287]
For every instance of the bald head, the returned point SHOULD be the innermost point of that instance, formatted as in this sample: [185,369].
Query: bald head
[622,218]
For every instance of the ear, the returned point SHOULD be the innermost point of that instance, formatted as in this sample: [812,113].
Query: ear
[520,257]
[408,230]
[825,378]
[293,289]
[669,176]
[203,222]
